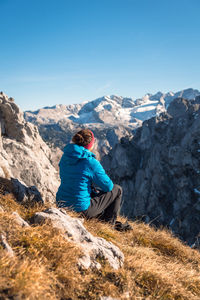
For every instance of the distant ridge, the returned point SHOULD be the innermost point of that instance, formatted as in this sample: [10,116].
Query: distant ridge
[110,109]
[110,118]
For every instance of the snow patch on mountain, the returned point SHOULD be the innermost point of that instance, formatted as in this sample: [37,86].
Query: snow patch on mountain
[109,117]
[110,110]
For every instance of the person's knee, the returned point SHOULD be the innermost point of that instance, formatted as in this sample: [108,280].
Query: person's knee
[118,188]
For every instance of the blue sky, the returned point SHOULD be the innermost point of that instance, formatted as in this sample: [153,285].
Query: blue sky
[69,51]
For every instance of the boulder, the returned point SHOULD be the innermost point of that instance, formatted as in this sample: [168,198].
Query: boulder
[92,247]
[9,251]
[21,222]
[26,195]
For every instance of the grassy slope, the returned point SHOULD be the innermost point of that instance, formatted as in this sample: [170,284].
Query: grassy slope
[157,265]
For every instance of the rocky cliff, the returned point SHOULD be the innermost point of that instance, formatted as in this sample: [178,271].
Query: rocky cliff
[23,153]
[159,170]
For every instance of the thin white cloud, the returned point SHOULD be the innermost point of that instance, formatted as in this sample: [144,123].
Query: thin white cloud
[104,87]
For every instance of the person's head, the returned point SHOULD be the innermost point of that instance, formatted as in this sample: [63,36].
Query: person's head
[85,138]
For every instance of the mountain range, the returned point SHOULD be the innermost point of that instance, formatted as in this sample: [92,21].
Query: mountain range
[157,164]
[109,117]
[110,110]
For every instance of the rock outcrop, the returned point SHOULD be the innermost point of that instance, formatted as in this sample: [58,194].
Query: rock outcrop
[23,153]
[73,229]
[3,242]
[18,219]
[159,170]
[26,195]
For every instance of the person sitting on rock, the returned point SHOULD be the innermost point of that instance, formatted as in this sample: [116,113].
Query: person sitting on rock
[79,172]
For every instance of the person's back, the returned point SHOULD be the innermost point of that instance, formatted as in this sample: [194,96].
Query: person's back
[79,170]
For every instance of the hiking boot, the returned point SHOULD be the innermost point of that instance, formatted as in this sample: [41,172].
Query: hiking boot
[122,227]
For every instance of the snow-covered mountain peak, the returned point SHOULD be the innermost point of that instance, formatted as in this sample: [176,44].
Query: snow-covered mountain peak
[110,109]
[109,117]
[188,93]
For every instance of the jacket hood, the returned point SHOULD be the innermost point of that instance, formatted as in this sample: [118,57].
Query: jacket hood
[73,152]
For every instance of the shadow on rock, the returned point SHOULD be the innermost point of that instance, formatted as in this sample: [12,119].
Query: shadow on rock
[26,195]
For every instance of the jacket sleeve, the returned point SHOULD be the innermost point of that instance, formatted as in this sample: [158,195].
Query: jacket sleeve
[100,178]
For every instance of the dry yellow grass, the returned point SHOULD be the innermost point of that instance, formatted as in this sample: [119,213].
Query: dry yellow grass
[157,265]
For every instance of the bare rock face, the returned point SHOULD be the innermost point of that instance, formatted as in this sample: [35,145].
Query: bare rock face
[21,222]
[159,170]
[26,195]
[3,242]
[24,155]
[73,229]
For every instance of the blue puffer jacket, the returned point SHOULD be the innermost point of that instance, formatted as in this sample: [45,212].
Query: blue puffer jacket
[78,170]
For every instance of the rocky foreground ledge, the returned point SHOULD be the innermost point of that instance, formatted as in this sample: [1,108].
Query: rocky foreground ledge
[48,253]
[73,229]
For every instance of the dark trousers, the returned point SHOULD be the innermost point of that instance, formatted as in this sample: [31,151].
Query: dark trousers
[105,205]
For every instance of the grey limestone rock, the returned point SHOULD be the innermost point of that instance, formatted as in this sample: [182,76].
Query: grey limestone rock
[23,153]
[73,229]
[9,251]
[159,170]
[21,222]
